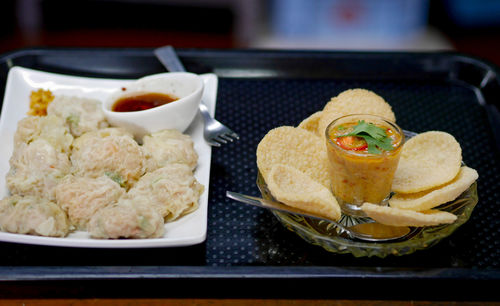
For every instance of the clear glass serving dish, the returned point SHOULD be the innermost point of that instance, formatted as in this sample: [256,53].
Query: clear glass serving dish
[332,239]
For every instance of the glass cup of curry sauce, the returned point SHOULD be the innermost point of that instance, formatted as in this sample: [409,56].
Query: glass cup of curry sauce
[363,151]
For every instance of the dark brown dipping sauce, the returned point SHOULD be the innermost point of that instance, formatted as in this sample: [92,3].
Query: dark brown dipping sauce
[142,102]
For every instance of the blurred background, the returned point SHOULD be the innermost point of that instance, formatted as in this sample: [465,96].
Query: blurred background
[467,26]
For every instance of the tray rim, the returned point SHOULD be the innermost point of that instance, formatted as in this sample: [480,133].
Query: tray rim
[7,57]
[30,273]
[186,52]
[490,71]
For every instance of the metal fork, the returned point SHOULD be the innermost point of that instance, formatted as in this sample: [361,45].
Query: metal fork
[214,132]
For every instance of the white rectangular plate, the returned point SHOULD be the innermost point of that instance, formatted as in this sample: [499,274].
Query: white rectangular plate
[188,230]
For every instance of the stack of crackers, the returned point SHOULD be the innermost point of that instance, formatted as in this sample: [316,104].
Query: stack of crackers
[294,163]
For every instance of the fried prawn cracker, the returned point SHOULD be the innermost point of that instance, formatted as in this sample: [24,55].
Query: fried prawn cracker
[295,147]
[403,217]
[432,198]
[427,160]
[297,189]
[311,123]
[354,101]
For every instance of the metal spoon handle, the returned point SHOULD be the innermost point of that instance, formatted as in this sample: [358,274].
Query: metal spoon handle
[359,231]
[168,57]
[263,203]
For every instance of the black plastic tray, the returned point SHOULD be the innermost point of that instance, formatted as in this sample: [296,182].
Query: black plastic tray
[247,252]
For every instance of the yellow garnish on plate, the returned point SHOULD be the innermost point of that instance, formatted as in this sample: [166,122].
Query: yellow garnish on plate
[39,101]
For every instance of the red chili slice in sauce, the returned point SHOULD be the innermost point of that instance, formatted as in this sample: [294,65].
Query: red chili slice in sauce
[351,143]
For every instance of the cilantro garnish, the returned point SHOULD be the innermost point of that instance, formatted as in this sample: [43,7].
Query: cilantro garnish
[375,137]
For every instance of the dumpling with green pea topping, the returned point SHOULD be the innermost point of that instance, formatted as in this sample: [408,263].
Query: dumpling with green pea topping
[36,169]
[82,197]
[50,128]
[81,115]
[167,147]
[32,215]
[111,152]
[172,190]
[127,219]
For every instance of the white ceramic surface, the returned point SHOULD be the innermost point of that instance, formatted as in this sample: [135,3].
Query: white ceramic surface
[188,87]
[188,230]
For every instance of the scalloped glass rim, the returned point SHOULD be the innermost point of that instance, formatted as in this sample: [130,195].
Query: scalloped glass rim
[307,228]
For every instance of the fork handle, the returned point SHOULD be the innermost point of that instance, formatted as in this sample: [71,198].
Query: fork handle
[204,112]
[168,57]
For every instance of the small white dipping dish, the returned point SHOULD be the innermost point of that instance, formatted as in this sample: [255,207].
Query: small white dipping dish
[188,87]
